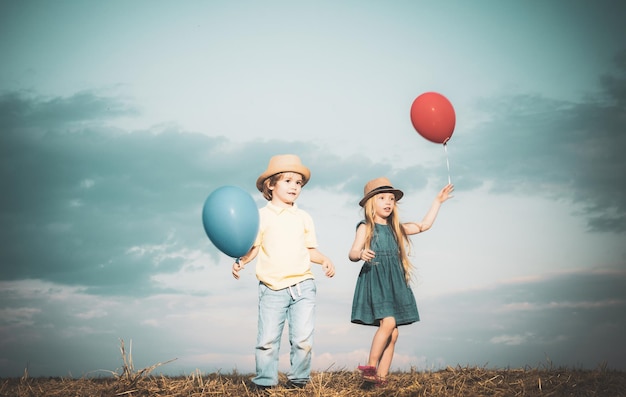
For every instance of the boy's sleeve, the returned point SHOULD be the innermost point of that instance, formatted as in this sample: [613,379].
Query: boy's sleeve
[259,235]
[310,238]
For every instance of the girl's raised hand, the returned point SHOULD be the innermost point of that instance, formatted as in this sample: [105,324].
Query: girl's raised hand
[445,193]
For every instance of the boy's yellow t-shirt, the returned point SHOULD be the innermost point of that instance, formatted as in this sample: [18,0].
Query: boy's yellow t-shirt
[285,236]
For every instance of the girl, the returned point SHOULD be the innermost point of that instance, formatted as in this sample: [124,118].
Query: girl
[382,296]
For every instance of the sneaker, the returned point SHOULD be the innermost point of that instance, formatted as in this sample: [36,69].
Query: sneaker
[295,385]
[260,388]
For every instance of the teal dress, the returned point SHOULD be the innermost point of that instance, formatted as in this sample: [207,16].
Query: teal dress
[381,288]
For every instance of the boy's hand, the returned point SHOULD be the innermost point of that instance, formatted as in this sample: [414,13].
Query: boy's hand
[236,268]
[329,268]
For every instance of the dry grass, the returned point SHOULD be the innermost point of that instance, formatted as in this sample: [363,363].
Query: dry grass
[459,381]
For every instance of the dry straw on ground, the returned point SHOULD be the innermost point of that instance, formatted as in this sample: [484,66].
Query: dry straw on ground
[459,381]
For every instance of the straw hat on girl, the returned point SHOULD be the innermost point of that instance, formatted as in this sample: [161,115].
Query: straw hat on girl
[379,185]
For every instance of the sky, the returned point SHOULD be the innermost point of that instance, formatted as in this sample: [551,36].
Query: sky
[118,119]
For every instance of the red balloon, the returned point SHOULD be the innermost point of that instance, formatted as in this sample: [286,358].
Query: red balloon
[433,117]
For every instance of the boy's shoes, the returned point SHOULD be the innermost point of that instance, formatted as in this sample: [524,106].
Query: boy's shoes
[295,385]
[260,388]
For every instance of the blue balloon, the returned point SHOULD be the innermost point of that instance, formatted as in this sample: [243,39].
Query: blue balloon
[231,220]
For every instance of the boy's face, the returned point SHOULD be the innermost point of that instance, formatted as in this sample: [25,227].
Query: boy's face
[287,189]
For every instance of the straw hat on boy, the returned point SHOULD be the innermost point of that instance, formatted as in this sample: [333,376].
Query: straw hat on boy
[284,163]
[379,185]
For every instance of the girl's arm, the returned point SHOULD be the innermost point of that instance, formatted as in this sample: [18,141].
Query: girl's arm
[358,251]
[327,265]
[247,258]
[431,215]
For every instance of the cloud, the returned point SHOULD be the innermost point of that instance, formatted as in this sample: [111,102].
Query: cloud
[85,197]
[18,316]
[572,317]
[28,114]
[81,200]
[520,306]
[91,204]
[565,150]
[53,320]
[511,339]
[576,318]
[614,85]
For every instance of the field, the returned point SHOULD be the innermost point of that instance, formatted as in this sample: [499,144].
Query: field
[459,381]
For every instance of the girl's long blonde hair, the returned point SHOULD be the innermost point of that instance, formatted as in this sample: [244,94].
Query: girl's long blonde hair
[402,240]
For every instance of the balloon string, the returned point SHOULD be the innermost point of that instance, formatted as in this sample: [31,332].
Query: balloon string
[445,149]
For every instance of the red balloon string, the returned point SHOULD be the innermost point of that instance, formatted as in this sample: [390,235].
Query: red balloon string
[445,149]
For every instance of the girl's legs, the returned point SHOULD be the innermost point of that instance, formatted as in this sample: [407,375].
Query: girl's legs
[381,340]
[385,360]
[381,352]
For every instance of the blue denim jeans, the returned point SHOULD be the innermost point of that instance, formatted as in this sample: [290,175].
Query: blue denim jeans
[296,305]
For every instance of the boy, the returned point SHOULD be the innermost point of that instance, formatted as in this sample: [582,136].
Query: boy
[286,245]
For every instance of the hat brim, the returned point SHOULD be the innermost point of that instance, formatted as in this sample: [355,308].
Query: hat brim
[385,189]
[299,169]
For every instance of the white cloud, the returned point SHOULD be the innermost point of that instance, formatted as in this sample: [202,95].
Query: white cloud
[28,289]
[76,203]
[73,332]
[522,306]
[87,183]
[511,340]
[18,316]
[91,313]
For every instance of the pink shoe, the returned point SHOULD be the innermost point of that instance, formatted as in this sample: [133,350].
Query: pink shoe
[368,373]
[381,381]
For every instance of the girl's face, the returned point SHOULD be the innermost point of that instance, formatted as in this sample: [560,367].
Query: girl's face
[384,203]
[287,189]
